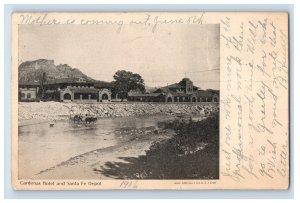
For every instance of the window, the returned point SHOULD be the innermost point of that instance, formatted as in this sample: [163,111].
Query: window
[28,96]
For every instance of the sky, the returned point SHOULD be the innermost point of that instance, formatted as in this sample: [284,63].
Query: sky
[162,57]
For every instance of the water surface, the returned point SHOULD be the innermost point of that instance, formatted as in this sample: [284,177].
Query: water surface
[42,146]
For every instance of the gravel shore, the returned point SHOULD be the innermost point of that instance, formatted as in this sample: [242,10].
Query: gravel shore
[62,111]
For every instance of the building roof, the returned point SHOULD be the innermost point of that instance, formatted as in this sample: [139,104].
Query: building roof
[175,85]
[83,90]
[214,91]
[101,84]
[67,80]
[173,93]
[204,93]
[163,89]
[29,84]
[178,86]
[97,84]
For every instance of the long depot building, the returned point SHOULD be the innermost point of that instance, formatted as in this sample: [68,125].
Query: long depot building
[184,91]
[82,91]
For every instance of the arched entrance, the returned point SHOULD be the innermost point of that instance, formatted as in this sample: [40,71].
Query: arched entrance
[67,96]
[215,99]
[104,96]
[169,99]
[180,99]
[194,99]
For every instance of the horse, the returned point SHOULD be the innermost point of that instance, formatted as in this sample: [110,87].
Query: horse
[90,119]
[77,119]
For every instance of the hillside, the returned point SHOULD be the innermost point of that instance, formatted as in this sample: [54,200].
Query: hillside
[30,71]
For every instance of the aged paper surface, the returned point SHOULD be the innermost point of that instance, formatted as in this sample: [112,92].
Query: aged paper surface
[233,65]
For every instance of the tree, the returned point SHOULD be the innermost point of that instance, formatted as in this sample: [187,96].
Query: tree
[126,81]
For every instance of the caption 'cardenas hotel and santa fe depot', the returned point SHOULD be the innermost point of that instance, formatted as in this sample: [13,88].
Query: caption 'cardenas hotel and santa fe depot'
[81,91]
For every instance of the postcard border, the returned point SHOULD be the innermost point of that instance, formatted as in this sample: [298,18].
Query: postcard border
[9,193]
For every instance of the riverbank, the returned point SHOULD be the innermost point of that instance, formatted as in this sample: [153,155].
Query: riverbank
[61,111]
[191,153]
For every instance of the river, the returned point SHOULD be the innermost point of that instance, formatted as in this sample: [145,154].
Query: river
[42,146]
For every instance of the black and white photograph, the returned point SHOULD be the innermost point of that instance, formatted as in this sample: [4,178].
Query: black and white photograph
[118,101]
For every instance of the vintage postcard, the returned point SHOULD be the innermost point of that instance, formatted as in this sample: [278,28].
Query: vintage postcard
[143,101]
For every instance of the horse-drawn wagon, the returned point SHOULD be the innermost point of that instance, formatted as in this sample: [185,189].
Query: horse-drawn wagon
[79,120]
